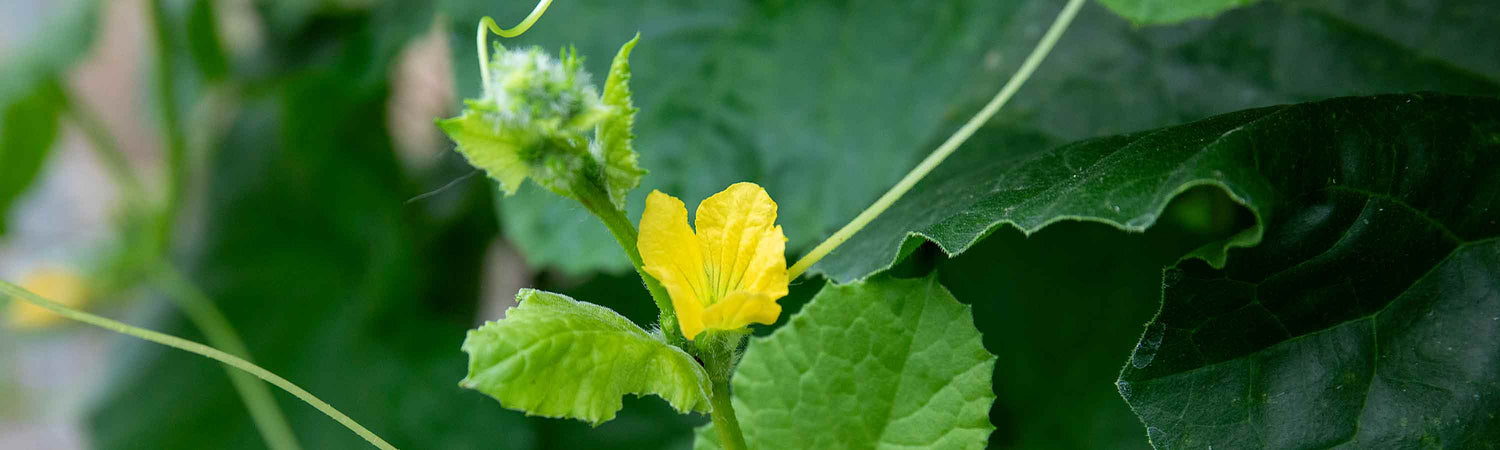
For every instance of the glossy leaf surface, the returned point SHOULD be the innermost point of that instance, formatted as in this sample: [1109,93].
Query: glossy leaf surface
[1355,199]
[1367,316]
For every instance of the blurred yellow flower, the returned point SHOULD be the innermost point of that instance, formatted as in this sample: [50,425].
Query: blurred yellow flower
[61,286]
[727,275]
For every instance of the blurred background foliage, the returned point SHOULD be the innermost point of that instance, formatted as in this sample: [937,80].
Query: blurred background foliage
[302,131]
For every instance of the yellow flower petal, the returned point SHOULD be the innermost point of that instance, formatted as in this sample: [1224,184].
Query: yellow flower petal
[727,275]
[61,286]
[766,272]
[742,246]
[672,254]
[740,309]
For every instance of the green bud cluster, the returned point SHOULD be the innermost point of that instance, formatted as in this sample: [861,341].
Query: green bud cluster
[541,117]
[534,92]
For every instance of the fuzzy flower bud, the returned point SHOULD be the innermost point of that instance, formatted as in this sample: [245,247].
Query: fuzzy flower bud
[530,89]
[541,117]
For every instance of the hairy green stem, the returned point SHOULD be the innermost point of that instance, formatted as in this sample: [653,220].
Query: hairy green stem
[597,202]
[20,293]
[273,426]
[719,354]
[725,424]
[957,139]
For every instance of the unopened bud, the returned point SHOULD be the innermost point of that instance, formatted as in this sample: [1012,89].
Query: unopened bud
[529,88]
[542,118]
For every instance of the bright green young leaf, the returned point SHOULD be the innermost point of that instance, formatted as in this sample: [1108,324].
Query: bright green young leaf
[1369,316]
[1159,12]
[486,149]
[621,172]
[885,363]
[554,356]
[734,91]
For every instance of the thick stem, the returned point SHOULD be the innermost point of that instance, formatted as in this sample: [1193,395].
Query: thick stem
[20,293]
[719,353]
[725,424]
[931,162]
[597,202]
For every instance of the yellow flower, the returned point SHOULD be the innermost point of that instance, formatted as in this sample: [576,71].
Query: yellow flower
[61,286]
[727,275]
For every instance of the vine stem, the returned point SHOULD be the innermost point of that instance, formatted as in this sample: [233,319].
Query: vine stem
[1028,66]
[597,202]
[20,293]
[487,23]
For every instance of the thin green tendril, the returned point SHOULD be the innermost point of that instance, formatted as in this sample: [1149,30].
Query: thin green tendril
[487,23]
[20,293]
[931,162]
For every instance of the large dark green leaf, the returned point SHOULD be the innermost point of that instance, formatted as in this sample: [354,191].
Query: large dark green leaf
[1060,308]
[1355,200]
[1450,31]
[1369,316]
[1098,83]
[1350,348]
[853,94]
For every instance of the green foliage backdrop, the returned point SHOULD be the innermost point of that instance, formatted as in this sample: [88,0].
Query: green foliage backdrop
[1377,213]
